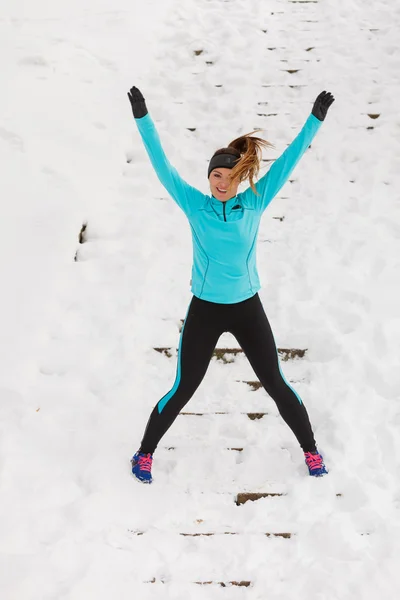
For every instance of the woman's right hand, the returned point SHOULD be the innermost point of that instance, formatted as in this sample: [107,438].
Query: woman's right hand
[138,103]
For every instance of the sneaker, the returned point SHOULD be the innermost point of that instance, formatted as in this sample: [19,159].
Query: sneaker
[141,466]
[315,464]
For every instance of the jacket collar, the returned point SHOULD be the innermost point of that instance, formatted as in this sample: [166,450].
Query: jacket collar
[218,205]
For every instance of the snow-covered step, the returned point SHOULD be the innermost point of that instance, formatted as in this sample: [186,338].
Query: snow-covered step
[244,497]
[227,355]
[229,397]
[273,523]
[286,535]
[205,558]
[212,589]
[234,429]
[223,584]
[255,465]
[182,510]
[273,509]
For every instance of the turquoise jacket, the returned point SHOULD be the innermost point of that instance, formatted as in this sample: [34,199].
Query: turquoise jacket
[224,234]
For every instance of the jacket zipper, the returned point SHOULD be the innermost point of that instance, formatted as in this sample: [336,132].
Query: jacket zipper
[224,212]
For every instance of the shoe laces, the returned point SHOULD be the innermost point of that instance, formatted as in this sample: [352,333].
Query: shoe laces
[314,461]
[145,461]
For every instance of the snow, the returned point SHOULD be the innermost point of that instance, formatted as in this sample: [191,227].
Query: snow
[79,373]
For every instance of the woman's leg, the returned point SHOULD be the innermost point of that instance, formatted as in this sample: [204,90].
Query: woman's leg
[253,332]
[199,336]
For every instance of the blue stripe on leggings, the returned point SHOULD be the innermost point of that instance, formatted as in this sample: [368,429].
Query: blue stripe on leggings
[162,403]
[287,383]
[282,375]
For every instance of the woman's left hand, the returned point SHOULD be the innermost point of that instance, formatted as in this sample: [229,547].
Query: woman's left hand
[321,105]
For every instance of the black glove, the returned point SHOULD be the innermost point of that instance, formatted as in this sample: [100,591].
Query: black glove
[321,105]
[138,104]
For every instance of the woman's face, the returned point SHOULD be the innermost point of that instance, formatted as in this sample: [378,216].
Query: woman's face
[220,184]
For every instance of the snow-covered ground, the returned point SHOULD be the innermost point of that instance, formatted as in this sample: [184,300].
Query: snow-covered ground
[79,374]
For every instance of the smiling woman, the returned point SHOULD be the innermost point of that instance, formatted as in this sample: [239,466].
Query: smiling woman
[240,161]
[225,280]
[221,185]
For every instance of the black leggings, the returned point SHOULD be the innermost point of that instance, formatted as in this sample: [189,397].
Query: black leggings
[204,324]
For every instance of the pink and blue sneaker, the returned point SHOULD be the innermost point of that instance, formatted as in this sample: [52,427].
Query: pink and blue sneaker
[315,464]
[141,467]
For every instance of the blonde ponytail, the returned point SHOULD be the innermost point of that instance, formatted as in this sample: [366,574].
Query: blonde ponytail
[250,149]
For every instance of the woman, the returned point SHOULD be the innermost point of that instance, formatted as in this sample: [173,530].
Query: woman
[225,281]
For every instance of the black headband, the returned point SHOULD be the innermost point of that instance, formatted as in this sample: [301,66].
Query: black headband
[228,161]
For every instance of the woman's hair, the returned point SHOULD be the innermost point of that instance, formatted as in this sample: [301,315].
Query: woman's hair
[249,150]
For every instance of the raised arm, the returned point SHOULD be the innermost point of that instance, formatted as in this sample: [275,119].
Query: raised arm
[270,184]
[186,196]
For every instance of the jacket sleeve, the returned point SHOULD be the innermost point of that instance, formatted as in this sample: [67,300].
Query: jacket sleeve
[270,184]
[187,197]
